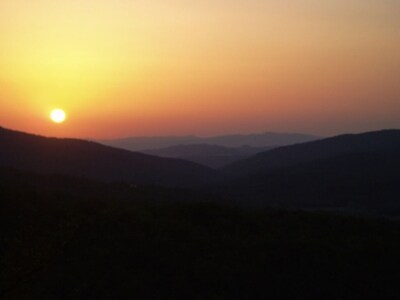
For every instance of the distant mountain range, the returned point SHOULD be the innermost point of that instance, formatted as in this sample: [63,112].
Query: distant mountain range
[209,155]
[268,139]
[91,160]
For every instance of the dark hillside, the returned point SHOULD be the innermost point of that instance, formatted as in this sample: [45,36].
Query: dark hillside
[352,173]
[64,238]
[386,141]
[365,183]
[91,160]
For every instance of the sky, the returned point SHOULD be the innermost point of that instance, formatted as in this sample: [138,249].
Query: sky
[154,67]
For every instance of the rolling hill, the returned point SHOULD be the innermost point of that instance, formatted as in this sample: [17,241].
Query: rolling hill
[91,160]
[352,173]
[283,157]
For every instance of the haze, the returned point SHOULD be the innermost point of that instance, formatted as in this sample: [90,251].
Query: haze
[122,68]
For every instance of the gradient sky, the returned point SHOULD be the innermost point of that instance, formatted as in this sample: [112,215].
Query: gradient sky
[156,67]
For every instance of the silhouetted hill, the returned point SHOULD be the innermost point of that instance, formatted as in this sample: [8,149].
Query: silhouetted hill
[209,155]
[66,238]
[92,160]
[367,183]
[353,173]
[268,139]
[283,157]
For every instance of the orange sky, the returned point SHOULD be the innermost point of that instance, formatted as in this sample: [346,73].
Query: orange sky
[156,67]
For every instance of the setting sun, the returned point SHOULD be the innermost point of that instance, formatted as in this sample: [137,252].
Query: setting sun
[58,116]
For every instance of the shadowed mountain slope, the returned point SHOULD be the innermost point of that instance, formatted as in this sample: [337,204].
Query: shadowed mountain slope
[66,238]
[95,161]
[283,157]
[353,173]
[355,183]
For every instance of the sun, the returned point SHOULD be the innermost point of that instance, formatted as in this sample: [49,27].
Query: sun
[58,116]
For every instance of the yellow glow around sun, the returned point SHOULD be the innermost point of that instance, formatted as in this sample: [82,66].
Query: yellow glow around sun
[58,116]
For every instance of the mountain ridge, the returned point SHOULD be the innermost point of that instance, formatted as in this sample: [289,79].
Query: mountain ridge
[350,173]
[95,161]
[286,156]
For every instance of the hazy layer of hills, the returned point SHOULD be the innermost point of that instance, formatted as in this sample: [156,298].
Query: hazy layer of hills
[268,139]
[213,156]
[91,160]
